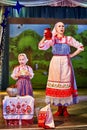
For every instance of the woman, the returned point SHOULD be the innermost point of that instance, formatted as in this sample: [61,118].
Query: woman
[61,89]
[23,74]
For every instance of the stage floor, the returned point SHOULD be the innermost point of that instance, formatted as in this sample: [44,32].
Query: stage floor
[76,121]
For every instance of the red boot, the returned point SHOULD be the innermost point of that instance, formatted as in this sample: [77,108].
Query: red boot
[59,112]
[65,112]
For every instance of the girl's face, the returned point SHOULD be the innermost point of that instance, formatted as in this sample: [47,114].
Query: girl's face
[60,28]
[21,60]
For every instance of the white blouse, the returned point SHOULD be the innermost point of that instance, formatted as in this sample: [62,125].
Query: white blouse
[22,69]
[70,41]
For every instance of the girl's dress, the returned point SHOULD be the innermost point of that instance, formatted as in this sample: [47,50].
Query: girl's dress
[23,83]
[61,86]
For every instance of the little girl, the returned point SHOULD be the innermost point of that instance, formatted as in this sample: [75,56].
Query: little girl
[23,73]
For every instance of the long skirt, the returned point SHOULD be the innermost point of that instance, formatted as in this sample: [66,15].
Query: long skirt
[61,89]
[24,86]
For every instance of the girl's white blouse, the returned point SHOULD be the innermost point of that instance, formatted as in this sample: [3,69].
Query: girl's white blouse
[17,68]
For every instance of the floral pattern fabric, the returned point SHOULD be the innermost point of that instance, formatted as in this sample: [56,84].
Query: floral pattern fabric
[18,107]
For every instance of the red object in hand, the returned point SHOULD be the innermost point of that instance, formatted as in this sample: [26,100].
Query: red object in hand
[47,33]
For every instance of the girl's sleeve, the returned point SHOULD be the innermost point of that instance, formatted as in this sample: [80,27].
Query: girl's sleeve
[13,75]
[73,42]
[45,45]
[31,72]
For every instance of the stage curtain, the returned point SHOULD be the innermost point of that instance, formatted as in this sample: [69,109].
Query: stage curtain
[31,3]
[5,59]
[50,12]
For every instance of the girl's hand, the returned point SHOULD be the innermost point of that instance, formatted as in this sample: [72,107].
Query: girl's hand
[27,73]
[18,74]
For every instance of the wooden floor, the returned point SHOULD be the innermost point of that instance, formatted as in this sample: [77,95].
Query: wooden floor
[76,121]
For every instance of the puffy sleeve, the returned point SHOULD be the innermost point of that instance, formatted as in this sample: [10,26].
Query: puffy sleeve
[31,72]
[72,42]
[13,75]
[45,44]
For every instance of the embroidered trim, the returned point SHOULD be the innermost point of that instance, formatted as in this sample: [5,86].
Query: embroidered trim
[58,85]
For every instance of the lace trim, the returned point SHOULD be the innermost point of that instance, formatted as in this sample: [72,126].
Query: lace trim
[58,85]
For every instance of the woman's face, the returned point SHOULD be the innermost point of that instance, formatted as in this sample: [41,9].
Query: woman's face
[60,28]
[21,60]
